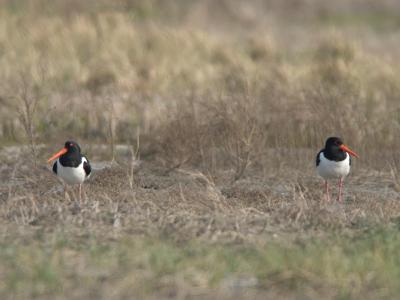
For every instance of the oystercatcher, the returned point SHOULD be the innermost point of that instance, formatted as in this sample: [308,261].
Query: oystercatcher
[333,162]
[71,166]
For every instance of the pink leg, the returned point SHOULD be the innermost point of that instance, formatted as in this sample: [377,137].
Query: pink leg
[340,197]
[328,198]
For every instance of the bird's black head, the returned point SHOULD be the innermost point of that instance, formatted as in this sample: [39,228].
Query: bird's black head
[72,147]
[334,143]
[336,150]
[70,152]
[333,149]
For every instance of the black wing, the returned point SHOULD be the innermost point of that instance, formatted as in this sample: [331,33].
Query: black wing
[87,167]
[55,167]
[317,161]
[349,159]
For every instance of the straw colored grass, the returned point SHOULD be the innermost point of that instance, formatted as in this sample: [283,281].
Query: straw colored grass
[202,120]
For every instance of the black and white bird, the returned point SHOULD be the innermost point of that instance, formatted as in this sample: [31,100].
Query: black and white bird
[71,166]
[333,162]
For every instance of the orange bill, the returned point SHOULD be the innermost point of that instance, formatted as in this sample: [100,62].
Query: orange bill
[348,150]
[58,154]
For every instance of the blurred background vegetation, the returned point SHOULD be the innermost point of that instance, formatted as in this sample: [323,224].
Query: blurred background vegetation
[255,74]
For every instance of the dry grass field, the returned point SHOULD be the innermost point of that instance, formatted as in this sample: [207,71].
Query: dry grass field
[202,120]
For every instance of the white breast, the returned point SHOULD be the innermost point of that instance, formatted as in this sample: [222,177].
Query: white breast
[329,169]
[72,175]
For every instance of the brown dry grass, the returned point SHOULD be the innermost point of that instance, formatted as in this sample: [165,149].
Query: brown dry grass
[180,234]
[226,104]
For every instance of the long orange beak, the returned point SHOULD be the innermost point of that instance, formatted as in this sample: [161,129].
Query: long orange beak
[58,154]
[348,150]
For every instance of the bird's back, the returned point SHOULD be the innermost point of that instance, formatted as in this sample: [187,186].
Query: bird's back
[86,166]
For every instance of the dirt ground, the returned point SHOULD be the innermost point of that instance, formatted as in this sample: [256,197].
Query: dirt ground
[278,201]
